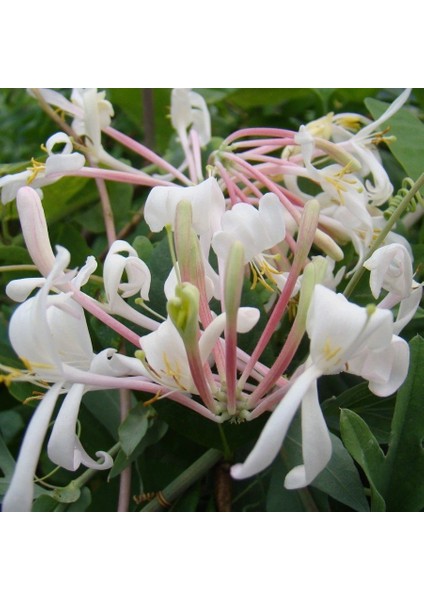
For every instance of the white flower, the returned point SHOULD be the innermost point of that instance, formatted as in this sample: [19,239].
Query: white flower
[96,115]
[258,229]
[189,109]
[40,174]
[138,276]
[165,356]
[207,203]
[391,269]
[50,334]
[344,337]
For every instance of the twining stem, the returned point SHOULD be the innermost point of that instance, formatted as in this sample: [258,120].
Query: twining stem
[184,481]
[386,230]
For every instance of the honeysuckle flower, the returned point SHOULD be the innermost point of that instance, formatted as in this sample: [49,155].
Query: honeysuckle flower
[138,276]
[188,109]
[41,174]
[165,357]
[50,334]
[391,269]
[96,115]
[357,340]
[207,203]
[258,229]
[66,159]
[137,281]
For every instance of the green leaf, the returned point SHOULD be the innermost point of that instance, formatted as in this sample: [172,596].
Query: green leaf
[143,246]
[45,503]
[278,498]
[363,446]
[207,433]
[250,97]
[67,196]
[405,457]
[408,148]
[129,101]
[377,412]
[155,433]
[7,462]
[82,503]
[104,406]
[15,255]
[134,428]
[340,479]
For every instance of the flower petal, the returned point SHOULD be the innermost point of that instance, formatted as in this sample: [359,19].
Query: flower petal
[316,442]
[19,496]
[64,448]
[274,432]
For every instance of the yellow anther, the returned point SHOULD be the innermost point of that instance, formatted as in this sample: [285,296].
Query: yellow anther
[155,398]
[173,372]
[37,167]
[351,122]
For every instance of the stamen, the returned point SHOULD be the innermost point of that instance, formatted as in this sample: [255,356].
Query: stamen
[37,167]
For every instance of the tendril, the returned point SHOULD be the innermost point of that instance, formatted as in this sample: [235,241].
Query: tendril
[394,202]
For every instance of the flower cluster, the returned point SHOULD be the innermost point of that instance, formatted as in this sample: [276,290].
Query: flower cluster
[250,219]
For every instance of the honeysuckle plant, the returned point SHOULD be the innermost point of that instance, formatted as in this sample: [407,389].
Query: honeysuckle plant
[253,294]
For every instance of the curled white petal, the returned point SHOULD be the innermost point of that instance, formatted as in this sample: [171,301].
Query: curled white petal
[19,495]
[64,448]
[137,274]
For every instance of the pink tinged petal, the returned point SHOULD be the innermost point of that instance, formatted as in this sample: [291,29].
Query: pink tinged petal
[34,229]
[64,448]
[19,496]
[316,442]
[275,430]
[19,289]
